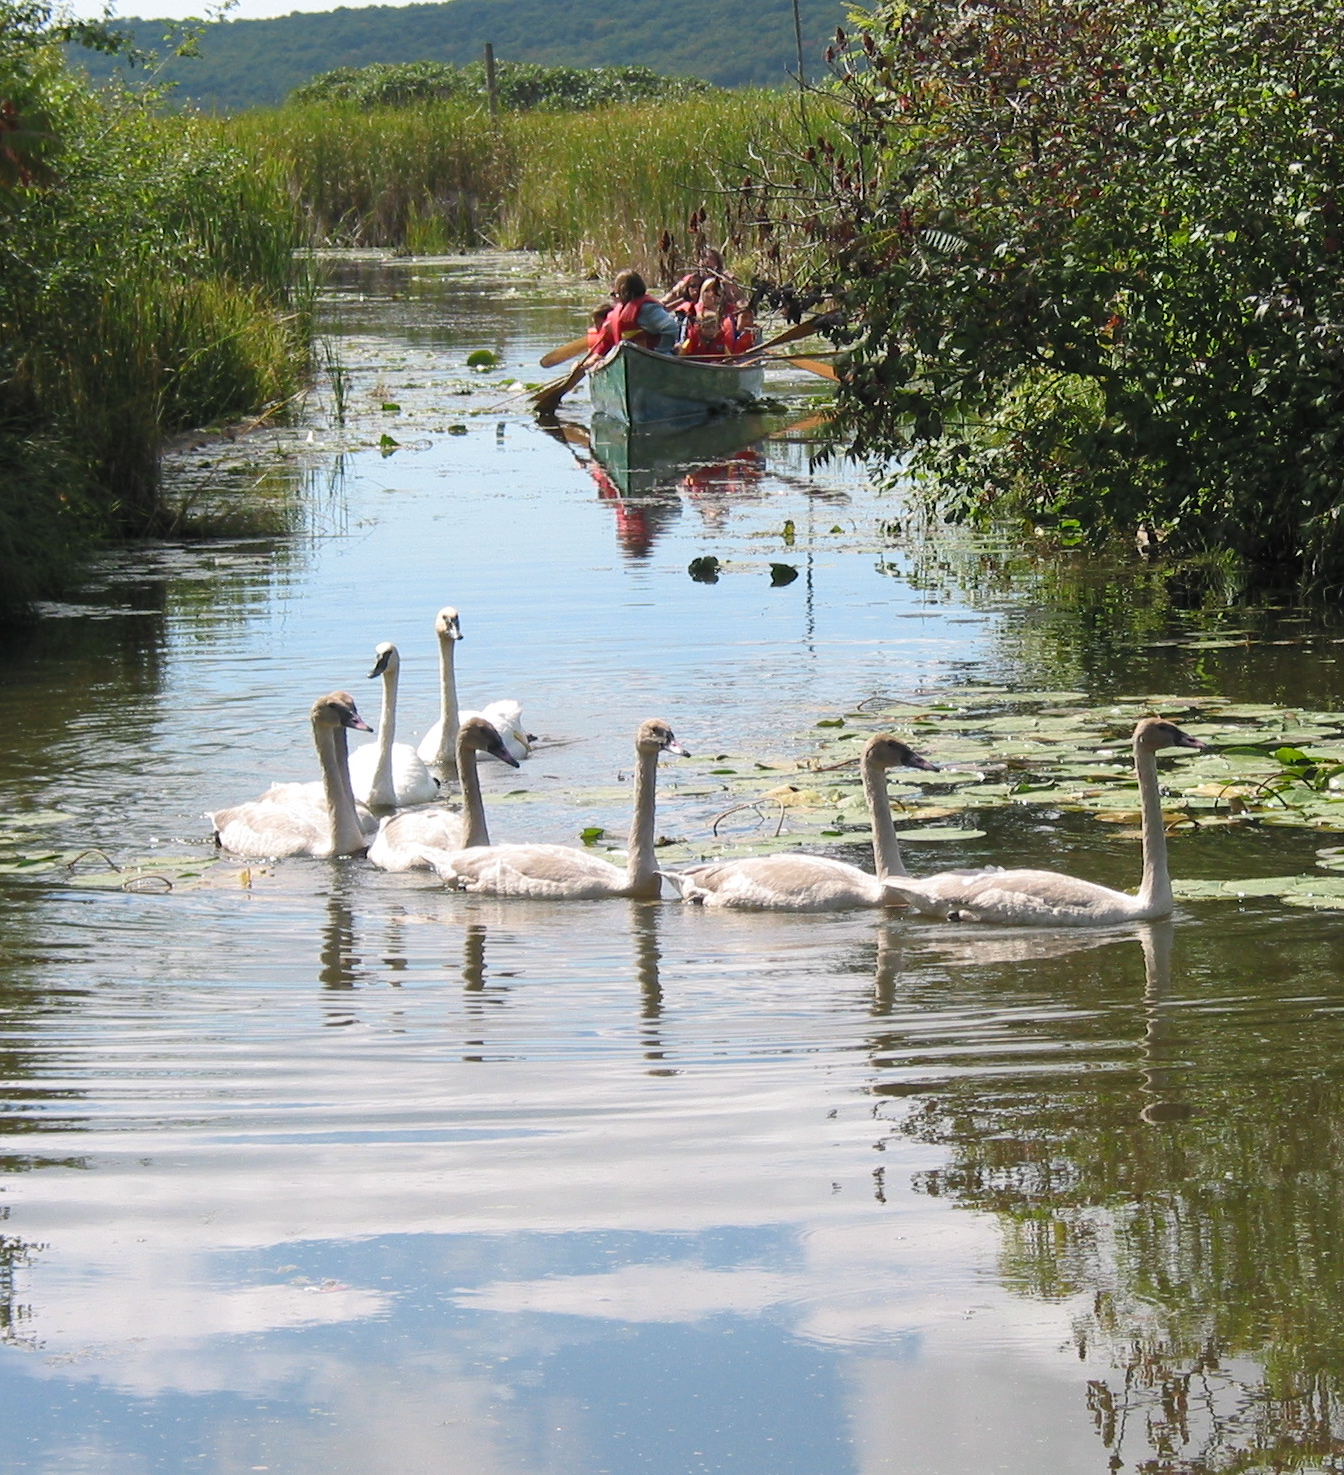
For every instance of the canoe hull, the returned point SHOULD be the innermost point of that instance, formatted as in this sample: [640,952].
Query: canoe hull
[640,388]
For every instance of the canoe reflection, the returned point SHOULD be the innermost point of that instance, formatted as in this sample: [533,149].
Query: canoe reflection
[644,475]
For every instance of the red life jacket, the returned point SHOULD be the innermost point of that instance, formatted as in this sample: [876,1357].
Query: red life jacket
[698,346]
[622,326]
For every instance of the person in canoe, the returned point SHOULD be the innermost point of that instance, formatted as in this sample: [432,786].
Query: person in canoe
[600,314]
[635,317]
[718,329]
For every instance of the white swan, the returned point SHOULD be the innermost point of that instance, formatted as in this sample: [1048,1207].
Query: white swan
[559,873]
[399,843]
[387,774]
[1049,898]
[812,883]
[305,819]
[438,746]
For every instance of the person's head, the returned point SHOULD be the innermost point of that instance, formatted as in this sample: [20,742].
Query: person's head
[600,313]
[628,286]
[712,259]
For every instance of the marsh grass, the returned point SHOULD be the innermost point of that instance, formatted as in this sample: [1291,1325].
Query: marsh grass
[594,188]
[152,288]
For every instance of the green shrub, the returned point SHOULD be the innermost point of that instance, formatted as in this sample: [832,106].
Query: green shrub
[1140,200]
[147,284]
[521,85]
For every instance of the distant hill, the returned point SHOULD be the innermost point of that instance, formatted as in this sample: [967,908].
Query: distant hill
[252,63]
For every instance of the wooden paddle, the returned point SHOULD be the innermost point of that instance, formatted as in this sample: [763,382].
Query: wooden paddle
[813,366]
[546,400]
[563,354]
[799,330]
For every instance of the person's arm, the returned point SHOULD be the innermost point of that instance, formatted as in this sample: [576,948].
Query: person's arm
[654,318]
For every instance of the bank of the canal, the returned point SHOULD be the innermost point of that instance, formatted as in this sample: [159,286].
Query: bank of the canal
[318,1169]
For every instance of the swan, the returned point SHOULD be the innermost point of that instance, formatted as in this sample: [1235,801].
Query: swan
[1049,898]
[387,774]
[397,846]
[559,873]
[812,883]
[305,819]
[437,747]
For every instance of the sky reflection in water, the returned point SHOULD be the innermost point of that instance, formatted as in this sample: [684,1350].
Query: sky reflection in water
[340,1173]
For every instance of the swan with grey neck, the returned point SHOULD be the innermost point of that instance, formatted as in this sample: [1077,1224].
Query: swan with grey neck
[812,883]
[1050,898]
[402,838]
[438,746]
[386,774]
[305,819]
[560,873]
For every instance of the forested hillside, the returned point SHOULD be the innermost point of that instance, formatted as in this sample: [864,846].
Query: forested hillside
[249,63]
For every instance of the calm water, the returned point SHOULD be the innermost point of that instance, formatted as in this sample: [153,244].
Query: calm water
[334,1172]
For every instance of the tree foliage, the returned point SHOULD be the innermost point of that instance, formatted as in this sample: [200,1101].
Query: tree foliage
[257,63]
[1092,257]
[521,85]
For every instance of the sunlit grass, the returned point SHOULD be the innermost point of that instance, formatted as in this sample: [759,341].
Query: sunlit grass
[595,188]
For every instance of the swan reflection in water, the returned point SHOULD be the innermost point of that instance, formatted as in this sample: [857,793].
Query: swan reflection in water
[969,947]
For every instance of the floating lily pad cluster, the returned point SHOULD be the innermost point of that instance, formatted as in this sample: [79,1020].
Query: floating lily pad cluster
[23,853]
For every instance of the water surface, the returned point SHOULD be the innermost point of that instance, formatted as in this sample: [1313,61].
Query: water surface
[315,1169]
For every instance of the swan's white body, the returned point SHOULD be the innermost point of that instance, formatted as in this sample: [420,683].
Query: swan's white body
[559,873]
[438,747]
[402,838]
[1050,898]
[387,774]
[305,819]
[811,883]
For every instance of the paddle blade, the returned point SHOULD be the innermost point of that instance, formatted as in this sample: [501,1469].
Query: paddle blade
[546,400]
[815,366]
[564,353]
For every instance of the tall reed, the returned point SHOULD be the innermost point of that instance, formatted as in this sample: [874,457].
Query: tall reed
[151,287]
[596,187]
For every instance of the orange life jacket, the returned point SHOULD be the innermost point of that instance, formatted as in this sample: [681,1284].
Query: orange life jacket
[622,326]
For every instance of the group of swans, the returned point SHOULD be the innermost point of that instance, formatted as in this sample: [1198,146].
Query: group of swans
[325,819]
[335,815]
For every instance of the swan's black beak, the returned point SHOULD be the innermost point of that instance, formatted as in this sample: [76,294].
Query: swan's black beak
[498,750]
[381,664]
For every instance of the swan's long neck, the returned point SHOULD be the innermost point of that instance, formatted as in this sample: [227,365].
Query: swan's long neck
[446,757]
[641,867]
[474,831]
[1155,889]
[886,852]
[346,836]
[382,791]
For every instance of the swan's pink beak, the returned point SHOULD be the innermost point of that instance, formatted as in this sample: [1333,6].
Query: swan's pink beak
[1190,742]
[915,761]
[673,746]
[357,722]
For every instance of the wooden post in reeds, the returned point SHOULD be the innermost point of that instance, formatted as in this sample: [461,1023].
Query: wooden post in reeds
[802,74]
[491,86]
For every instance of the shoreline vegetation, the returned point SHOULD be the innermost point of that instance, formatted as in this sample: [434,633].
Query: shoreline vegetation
[148,284]
[442,175]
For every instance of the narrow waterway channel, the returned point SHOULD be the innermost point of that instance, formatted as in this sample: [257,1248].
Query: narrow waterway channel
[317,1169]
